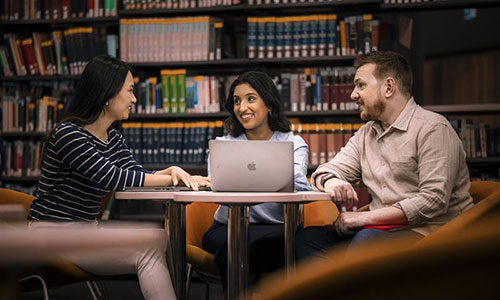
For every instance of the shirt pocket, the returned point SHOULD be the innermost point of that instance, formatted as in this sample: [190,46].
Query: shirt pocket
[405,168]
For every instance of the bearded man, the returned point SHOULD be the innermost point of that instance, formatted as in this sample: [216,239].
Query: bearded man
[410,159]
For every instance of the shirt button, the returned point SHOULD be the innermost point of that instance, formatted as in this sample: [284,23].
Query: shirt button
[384,185]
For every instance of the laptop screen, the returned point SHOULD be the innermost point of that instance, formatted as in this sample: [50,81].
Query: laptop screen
[251,166]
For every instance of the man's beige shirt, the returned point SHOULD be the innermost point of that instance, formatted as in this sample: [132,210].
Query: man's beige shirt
[417,164]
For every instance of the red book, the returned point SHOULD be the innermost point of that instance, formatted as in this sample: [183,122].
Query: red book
[29,56]
[385,227]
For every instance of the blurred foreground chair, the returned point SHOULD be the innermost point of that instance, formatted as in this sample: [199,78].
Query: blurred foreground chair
[459,260]
[60,272]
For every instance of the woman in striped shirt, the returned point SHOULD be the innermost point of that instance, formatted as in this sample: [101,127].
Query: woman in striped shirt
[84,159]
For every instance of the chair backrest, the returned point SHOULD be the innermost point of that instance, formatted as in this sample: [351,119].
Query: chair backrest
[14,197]
[480,190]
[320,213]
[199,217]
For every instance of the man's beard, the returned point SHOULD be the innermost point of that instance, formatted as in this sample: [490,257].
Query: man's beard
[373,113]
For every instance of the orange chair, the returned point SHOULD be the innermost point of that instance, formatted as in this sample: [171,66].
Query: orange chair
[199,217]
[320,213]
[60,272]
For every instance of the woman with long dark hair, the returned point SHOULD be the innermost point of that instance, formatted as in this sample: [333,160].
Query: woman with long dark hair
[256,113]
[84,158]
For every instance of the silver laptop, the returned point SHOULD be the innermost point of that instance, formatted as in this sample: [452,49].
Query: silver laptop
[251,166]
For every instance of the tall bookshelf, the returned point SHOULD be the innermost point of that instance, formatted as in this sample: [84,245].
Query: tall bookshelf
[402,28]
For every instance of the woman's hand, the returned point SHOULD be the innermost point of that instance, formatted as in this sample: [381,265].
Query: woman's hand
[178,174]
[202,181]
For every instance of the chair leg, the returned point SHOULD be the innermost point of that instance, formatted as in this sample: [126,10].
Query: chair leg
[188,279]
[44,285]
[207,290]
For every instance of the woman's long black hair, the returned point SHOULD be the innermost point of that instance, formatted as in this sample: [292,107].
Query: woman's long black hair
[267,90]
[101,80]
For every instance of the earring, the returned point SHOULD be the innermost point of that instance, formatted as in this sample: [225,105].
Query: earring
[107,103]
[269,112]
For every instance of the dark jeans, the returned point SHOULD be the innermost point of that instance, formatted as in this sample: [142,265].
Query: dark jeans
[266,243]
[315,240]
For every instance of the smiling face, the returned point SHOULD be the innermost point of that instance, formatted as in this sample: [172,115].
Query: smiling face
[119,107]
[249,108]
[368,93]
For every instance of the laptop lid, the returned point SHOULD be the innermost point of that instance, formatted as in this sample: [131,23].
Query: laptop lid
[251,166]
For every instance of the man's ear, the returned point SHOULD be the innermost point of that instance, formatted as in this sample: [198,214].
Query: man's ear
[390,87]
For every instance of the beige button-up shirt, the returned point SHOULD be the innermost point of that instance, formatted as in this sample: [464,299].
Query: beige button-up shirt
[417,164]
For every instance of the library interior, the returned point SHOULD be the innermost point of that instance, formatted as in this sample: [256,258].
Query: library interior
[184,56]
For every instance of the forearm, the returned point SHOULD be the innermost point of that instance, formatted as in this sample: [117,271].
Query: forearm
[157,180]
[384,216]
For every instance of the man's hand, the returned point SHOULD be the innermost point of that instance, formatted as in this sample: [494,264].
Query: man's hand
[342,192]
[349,222]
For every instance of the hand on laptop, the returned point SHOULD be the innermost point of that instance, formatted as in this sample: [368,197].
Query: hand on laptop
[178,175]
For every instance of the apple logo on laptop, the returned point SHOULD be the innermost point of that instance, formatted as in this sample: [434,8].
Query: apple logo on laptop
[252,166]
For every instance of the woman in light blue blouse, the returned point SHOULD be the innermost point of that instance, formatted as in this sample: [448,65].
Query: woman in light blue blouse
[257,114]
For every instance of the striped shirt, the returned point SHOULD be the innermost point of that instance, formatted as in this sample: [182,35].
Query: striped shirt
[78,170]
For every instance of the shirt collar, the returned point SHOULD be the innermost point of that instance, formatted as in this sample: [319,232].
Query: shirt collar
[402,121]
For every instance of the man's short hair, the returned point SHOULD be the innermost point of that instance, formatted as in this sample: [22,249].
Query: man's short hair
[389,63]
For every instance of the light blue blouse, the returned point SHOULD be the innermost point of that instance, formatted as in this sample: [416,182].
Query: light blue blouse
[272,213]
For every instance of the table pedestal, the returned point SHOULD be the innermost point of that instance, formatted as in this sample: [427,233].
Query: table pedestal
[175,228]
[237,250]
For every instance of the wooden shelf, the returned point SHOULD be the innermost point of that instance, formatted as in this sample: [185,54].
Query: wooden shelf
[40,77]
[244,8]
[465,108]
[484,162]
[222,115]
[175,116]
[245,62]
[446,4]
[23,134]
[33,179]
[61,21]
[328,113]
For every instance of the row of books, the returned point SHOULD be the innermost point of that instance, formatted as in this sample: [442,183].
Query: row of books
[325,140]
[175,92]
[308,89]
[187,142]
[35,107]
[142,5]
[479,139]
[56,53]
[56,9]
[171,143]
[171,39]
[21,158]
[311,35]
[317,89]
[30,115]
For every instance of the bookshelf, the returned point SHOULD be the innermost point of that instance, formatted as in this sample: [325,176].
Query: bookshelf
[235,60]
[436,4]
[60,22]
